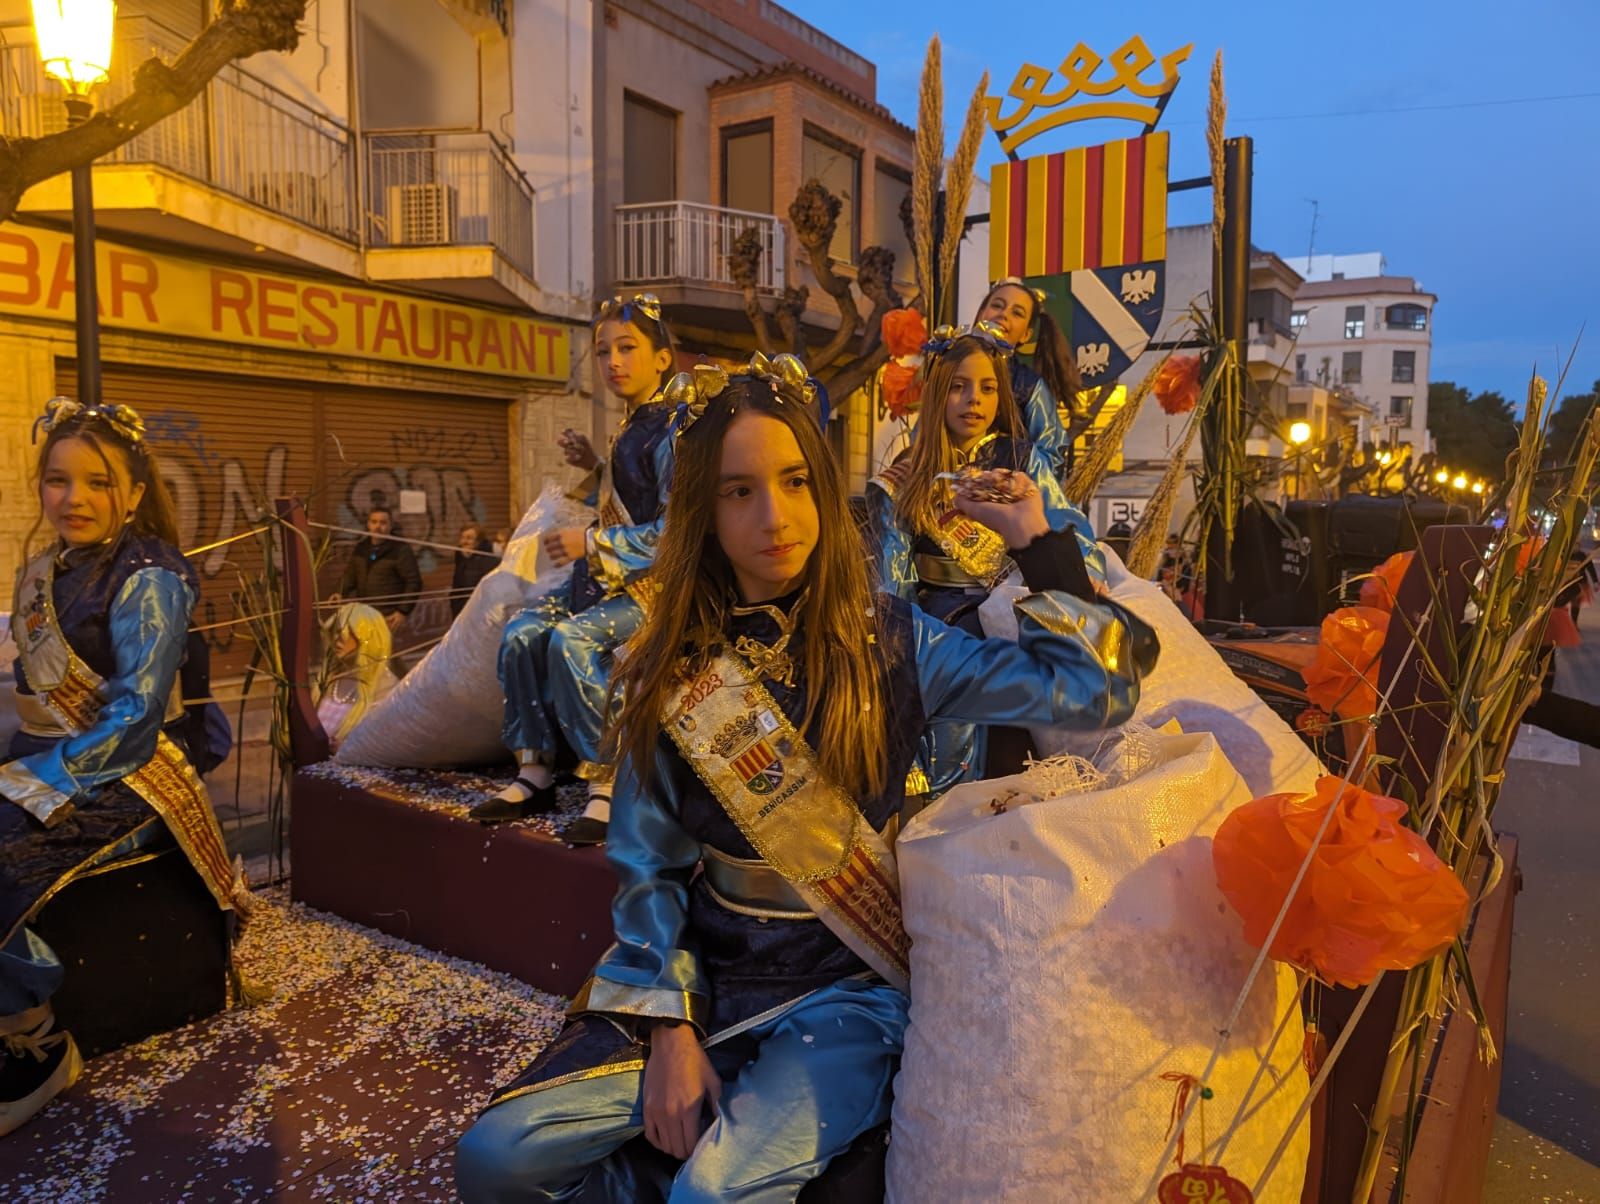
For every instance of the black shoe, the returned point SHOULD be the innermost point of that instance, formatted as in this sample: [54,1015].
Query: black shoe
[35,1067]
[499,808]
[585,831]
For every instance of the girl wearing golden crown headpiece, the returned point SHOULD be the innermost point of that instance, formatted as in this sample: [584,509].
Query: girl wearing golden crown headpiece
[102,764]
[748,1021]
[634,354]
[931,553]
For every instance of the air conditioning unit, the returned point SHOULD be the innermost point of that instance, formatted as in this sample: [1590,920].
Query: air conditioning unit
[421,214]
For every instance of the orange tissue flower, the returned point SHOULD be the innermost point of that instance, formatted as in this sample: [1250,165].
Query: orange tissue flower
[1375,897]
[1177,384]
[1380,590]
[904,332]
[902,389]
[1343,679]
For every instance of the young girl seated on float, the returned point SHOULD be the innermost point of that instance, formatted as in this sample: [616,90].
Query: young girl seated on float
[101,765]
[356,670]
[1019,315]
[750,1016]
[634,354]
[932,554]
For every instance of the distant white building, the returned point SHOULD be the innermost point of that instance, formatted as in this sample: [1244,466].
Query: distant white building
[1315,268]
[1371,335]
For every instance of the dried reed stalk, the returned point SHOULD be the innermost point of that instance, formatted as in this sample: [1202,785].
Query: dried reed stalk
[1090,471]
[1151,537]
[927,167]
[1216,118]
[958,190]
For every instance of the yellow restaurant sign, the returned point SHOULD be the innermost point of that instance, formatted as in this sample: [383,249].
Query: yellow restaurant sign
[167,295]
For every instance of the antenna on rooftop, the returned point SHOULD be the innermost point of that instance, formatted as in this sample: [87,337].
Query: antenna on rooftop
[1311,245]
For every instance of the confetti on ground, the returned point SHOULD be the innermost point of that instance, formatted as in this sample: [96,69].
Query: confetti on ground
[352,1082]
[450,790]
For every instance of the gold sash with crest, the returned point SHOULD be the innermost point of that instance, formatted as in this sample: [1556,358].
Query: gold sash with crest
[70,689]
[979,551]
[739,742]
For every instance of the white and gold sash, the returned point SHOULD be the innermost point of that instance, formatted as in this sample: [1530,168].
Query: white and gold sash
[70,689]
[736,737]
[979,551]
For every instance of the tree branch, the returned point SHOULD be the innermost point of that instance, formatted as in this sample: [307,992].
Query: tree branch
[241,29]
[854,373]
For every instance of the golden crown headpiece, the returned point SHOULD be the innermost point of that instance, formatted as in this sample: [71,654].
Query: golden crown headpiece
[647,304]
[690,392]
[986,332]
[123,420]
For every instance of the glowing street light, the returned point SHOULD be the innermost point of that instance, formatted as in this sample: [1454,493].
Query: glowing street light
[74,39]
[1442,475]
[1477,487]
[1460,481]
[1299,432]
[1384,458]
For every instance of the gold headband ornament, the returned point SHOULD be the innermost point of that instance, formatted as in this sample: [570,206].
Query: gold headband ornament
[1038,294]
[647,304]
[690,392]
[123,420]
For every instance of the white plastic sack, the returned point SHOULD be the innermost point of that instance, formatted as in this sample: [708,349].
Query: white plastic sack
[1190,683]
[1064,955]
[448,710]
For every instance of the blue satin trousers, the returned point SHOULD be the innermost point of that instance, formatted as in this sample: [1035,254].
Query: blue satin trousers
[799,1086]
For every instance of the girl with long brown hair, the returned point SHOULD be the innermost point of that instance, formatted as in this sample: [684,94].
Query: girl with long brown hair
[749,1018]
[105,757]
[929,552]
[1019,314]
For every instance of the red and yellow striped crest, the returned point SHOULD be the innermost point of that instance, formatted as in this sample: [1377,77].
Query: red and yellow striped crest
[1094,207]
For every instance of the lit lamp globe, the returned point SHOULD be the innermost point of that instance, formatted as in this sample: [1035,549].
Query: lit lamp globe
[1460,481]
[74,40]
[1299,433]
[1385,458]
[1477,487]
[1442,475]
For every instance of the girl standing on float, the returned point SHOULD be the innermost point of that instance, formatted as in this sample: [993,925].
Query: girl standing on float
[930,553]
[634,354]
[772,704]
[1019,315]
[101,765]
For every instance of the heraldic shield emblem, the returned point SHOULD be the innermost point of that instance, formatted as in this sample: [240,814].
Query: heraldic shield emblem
[744,744]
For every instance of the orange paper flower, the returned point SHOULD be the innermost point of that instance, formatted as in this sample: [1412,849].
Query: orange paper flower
[1380,590]
[1177,384]
[1343,679]
[1376,896]
[904,332]
[1528,552]
[902,389]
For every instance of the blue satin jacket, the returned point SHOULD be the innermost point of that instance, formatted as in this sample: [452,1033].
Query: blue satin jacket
[1038,405]
[127,618]
[681,955]
[642,458]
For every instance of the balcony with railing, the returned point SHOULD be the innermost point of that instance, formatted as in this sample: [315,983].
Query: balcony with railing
[691,246]
[279,180]
[448,206]
[242,138]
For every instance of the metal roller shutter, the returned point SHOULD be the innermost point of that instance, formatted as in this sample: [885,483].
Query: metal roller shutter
[230,445]
[448,455]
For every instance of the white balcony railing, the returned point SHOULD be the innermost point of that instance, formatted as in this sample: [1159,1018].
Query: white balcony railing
[241,136]
[689,243]
[428,188]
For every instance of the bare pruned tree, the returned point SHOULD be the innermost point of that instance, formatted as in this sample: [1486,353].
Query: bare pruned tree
[241,28]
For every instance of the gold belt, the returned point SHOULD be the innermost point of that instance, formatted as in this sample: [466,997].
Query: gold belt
[754,888]
[942,570]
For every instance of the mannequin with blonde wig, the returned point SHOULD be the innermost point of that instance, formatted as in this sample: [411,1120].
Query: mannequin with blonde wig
[355,671]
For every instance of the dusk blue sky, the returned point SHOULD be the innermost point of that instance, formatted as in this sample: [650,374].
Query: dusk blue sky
[1493,207]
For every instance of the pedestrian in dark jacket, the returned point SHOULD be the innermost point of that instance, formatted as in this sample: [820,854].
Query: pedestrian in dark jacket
[381,572]
[475,559]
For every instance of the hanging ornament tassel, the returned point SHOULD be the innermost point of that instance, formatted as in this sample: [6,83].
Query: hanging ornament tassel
[1194,1182]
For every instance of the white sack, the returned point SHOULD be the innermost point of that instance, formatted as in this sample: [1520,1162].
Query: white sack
[448,710]
[1064,955]
[1190,683]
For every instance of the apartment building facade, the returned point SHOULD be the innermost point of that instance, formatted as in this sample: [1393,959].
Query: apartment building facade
[359,273]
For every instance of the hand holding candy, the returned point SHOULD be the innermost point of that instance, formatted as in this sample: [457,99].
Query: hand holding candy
[1006,502]
[576,449]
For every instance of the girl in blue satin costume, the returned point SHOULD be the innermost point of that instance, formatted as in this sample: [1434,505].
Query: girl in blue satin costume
[121,594]
[743,1038]
[969,420]
[1020,317]
[634,355]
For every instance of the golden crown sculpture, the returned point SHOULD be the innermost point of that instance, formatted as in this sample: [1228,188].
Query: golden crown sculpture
[1128,62]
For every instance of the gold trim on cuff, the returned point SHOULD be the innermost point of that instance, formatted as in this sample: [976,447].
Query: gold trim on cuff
[1095,627]
[561,1080]
[660,1003]
[591,771]
[32,793]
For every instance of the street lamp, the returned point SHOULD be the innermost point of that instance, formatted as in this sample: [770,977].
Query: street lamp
[1460,481]
[1441,476]
[1299,433]
[74,39]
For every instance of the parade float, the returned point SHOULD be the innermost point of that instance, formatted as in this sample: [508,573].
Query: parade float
[1301,957]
